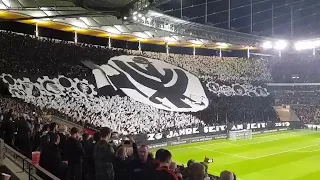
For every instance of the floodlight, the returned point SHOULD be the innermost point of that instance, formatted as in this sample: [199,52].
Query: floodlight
[302,45]
[196,42]
[280,45]
[222,45]
[134,13]
[125,18]
[267,45]
[135,18]
[44,20]
[139,15]
[141,39]
[316,43]
[170,39]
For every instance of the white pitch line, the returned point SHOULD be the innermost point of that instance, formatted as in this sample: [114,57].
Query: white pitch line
[282,152]
[258,142]
[308,151]
[239,156]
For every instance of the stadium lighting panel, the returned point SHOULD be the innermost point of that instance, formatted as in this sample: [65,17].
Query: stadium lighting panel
[196,42]
[141,35]
[222,45]
[303,45]
[280,45]
[42,21]
[316,43]
[308,44]
[267,45]
[47,11]
[170,39]
[78,25]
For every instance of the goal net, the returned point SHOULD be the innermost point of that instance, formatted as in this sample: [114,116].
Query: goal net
[242,134]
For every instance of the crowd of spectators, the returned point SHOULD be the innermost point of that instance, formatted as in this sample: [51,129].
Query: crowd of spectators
[297,67]
[303,99]
[52,57]
[73,155]
[308,114]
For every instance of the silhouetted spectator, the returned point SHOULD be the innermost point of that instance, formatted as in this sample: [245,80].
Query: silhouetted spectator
[75,154]
[103,156]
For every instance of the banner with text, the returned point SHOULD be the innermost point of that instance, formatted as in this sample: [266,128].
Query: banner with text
[213,130]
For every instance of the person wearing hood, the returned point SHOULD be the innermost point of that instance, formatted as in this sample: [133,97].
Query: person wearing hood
[23,135]
[8,128]
[44,139]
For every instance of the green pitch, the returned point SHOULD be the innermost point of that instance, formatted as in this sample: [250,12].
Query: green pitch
[288,155]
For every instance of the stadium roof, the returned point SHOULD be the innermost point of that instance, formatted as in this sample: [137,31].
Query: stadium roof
[294,19]
[147,26]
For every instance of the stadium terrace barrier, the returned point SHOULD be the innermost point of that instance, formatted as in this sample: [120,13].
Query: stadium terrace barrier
[69,124]
[25,163]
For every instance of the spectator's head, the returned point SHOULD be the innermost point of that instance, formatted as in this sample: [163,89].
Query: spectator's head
[45,128]
[196,171]
[173,166]
[105,133]
[158,153]
[121,153]
[226,175]
[96,136]
[63,129]
[165,158]
[143,152]
[74,132]
[114,135]
[85,136]
[53,127]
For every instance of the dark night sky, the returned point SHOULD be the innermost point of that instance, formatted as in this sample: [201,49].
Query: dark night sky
[306,14]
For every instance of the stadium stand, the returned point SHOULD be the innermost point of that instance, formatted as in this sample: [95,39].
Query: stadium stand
[54,77]
[43,54]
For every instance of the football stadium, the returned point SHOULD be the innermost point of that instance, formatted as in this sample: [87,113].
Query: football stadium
[159,89]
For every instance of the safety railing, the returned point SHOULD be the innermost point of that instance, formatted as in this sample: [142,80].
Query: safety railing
[34,172]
